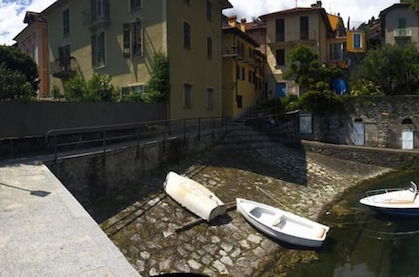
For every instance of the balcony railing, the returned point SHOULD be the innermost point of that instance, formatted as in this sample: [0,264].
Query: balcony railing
[64,68]
[403,32]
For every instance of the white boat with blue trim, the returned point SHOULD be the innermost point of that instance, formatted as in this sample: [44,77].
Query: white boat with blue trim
[282,225]
[394,201]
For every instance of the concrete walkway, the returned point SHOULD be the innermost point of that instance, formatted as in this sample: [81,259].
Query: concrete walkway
[44,231]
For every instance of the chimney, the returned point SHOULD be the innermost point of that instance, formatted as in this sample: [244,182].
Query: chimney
[349,22]
[243,24]
[231,21]
[318,4]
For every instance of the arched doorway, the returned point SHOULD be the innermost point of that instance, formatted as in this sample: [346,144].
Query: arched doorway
[407,134]
[358,132]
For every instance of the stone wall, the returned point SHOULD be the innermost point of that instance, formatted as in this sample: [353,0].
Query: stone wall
[390,158]
[384,119]
[91,176]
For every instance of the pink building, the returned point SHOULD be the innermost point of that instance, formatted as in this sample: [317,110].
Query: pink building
[33,41]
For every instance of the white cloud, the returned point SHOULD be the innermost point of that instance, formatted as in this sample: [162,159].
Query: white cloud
[12,14]
[358,10]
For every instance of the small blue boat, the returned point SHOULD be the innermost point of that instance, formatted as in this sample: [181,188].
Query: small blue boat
[402,202]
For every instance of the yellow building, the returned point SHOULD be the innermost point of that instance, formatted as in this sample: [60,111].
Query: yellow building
[120,38]
[243,69]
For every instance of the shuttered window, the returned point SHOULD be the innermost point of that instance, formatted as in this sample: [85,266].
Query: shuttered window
[304,29]
[186,35]
[280,57]
[133,39]
[98,49]
[209,48]
[280,29]
[187,101]
[135,5]
[66,22]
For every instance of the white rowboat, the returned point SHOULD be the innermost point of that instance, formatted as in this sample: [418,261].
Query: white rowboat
[282,225]
[194,196]
[394,201]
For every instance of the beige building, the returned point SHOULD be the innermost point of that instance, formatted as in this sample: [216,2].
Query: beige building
[243,69]
[119,38]
[400,25]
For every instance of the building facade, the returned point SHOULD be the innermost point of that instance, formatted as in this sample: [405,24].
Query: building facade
[243,69]
[400,25]
[33,41]
[120,39]
[325,34]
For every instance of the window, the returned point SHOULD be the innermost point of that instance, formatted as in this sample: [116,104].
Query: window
[66,22]
[133,37]
[186,35]
[357,41]
[187,2]
[210,99]
[280,29]
[280,57]
[64,56]
[209,48]
[402,23]
[98,49]
[240,48]
[239,100]
[304,28]
[134,89]
[99,9]
[336,51]
[238,72]
[243,74]
[209,10]
[135,5]
[187,96]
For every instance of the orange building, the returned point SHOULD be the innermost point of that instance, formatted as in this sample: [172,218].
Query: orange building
[33,41]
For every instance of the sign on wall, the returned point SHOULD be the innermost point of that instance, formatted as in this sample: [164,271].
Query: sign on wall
[306,124]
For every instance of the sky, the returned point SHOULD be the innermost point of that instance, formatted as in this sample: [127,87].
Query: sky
[12,12]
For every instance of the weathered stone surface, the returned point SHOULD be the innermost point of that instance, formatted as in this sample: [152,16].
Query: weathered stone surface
[303,182]
[220,267]
[145,255]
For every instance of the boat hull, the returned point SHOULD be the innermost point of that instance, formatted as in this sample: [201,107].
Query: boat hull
[395,211]
[194,197]
[305,242]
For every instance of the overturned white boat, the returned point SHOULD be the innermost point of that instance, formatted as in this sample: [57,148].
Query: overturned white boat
[194,196]
[282,225]
[394,201]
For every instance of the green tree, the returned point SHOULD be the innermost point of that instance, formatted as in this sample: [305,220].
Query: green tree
[75,89]
[14,85]
[394,70]
[307,70]
[158,87]
[16,60]
[414,4]
[324,102]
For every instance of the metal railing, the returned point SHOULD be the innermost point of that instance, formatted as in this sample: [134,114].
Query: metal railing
[76,139]
[62,68]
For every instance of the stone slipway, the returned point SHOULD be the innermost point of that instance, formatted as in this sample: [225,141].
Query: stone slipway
[44,231]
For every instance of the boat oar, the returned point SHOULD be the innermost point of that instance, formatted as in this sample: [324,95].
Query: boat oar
[230,206]
[273,198]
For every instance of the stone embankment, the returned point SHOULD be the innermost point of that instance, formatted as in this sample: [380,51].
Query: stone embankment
[246,164]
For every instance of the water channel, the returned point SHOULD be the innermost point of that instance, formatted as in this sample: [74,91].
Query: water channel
[363,243]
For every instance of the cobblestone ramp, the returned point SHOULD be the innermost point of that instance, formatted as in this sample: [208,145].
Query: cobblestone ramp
[44,231]
[246,164]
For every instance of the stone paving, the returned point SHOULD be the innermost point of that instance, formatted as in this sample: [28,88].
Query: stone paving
[249,165]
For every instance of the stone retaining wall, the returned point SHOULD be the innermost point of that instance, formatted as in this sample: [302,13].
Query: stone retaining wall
[391,158]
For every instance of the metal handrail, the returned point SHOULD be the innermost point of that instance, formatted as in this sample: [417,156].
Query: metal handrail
[137,131]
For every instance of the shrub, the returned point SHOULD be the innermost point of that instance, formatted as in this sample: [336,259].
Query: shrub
[75,89]
[324,102]
[97,89]
[14,85]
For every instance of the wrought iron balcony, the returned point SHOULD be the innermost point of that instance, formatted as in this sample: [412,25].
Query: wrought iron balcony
[64,68]
[403,32]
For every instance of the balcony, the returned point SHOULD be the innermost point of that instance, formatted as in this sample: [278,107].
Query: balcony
[64,68]
[402,32]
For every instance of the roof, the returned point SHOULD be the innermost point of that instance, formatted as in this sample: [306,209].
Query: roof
[236,31]
[392,7]
[335,21]
[30,17]
[298,10]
